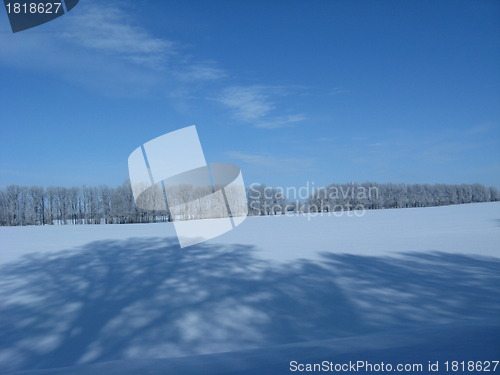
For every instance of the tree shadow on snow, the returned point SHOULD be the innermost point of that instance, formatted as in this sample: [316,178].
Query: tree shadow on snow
[145,298]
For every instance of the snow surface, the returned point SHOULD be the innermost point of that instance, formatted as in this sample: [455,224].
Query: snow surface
[466,229]
[402,285]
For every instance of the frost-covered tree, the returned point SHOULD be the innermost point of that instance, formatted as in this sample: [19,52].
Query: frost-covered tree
[55,205]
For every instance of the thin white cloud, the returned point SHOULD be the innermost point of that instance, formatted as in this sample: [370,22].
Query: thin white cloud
[448,151]
[110,30]
[281,121]
[270,161]
[326,139]
[338,91]
[255,105]
[201,72]
[100,47]
[49,53]
[481,129]
[247,103]
[265,166]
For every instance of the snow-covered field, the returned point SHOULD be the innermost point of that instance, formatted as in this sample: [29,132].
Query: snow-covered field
[399,286]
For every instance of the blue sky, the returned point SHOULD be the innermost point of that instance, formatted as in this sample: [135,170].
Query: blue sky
[291,91]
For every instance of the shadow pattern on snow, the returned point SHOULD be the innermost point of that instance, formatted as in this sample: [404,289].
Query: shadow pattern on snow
[145,298]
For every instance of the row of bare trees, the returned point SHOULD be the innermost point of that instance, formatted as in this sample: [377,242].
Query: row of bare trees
[36,205]
[265,200]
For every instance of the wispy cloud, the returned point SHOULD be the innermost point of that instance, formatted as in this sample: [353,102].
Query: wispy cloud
[481,129]
[270,161]
[338,91]
[255,105]
[264,167]
[281,121]
[201,72]
[247,103]
[448,151]
[110,30]
[101,47]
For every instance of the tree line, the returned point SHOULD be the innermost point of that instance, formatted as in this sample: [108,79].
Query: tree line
[264,200]
[55,205]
